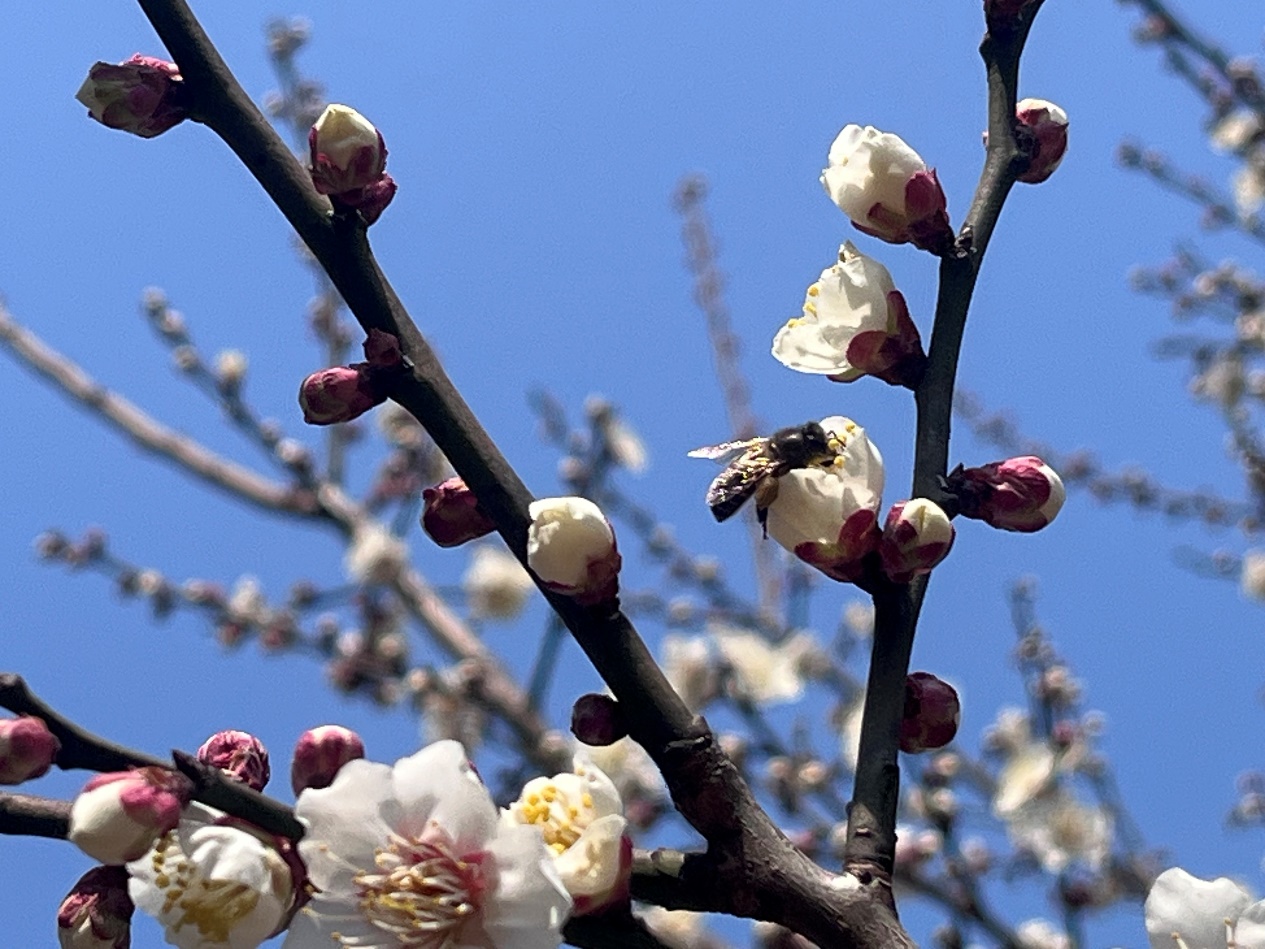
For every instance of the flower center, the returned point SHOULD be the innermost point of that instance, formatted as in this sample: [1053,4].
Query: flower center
[212,907]
[423,892]
[561,822]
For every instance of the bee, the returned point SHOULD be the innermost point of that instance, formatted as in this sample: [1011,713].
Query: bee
[754,465]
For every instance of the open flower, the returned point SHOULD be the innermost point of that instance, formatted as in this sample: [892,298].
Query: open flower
[855,323]
[495,584]
[828,516]
[581,819]
[417,855]
[210,882]
[1204,913]
[886,188]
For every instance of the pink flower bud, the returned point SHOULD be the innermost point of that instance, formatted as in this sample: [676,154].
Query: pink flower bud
[320,752]
[1019,494]
[97,912]
[371,200]
[142,96]
[932,713]
[886,188]
[347,152]
[451,514]
[27,749]
[382,351]
[598,720]
[338,394]
[571,548]
[238,754]
[916,537]
[118,816]
[1049,127]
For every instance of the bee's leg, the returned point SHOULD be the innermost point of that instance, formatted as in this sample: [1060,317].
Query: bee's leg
[765,495]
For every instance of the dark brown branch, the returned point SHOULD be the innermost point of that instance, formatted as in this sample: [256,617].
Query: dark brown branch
[775,881]
[871,839]
[30,816]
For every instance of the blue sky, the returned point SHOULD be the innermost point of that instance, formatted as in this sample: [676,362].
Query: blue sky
[534,241]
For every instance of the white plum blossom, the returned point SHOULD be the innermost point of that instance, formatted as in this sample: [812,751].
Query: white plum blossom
[375,555]
[211,883]
[1058,831]
[495,583]
[690,667]
[580,817]
[571,547]
[765,672]
[347,150]
[1202,914]
[886,188]
[828,516]
[417,855]
[855,323]
[1027,775]
[1252,574]
[1041,934]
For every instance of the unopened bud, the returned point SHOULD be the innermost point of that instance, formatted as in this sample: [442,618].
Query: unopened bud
[238,754]
[571,548]
[118,816]
[932,713]
[27,749]
[347,151]
[143,96]
[1048,124]
[598,720]
[320,752]
[338,394]
[451,514]
[1019,494]
[917,536]
[97,912]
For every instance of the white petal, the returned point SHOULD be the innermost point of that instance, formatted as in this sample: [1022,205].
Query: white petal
[1196,909]
[438,784]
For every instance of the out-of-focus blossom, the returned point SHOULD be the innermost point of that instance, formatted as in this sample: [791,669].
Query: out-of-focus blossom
[1210,914]
[625,446]
[1058,831]
[581,819]
[690,667]
[915,846]
[1048,123]
[1252,574]
[230,369]
[375,555]
[1018,494]
[828,517]
[571,548]
[917,536]
[420,848]
[97,912]
[932,713]
[1235,131]
[764,672]
[238,754]
[27,749]
[1041,934]
[118,815]
[319,754]
[210,882]
[858,618]
[1222,382]
[495,584]
[679,928]
[855,323]
[143,95]
[1028,774]
[886,188]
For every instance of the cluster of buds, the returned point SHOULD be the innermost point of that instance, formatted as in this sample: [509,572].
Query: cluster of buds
[342,393]
[143,95]
[855,323]
[349,160]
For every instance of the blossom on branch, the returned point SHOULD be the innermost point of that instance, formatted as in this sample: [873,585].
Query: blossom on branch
[580,816]
[828,516]
[917,536]
[143,95]
[1048,124]
[349,159]
[1204,913]
[855,323]
[451,515]
[886,188]
[27,749]
[240,755]
[319,754]
[1018,494]
[931,715]
[343,393]
[571,548]
[417,854]
[213,881]
[118,815]
[495,584]
[97,912]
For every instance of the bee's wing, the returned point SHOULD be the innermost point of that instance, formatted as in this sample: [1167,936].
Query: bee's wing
[739,481]
[727,451]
